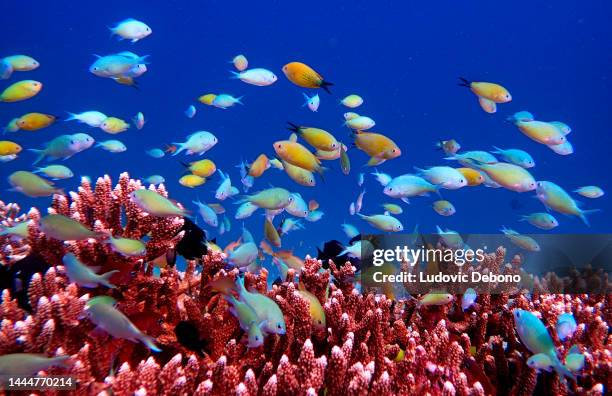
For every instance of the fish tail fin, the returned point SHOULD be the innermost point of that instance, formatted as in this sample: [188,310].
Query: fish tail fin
[496,150]
[293,127]
[523,218]
[180,147]
[439,144]
[235,75]
[149,342]
[307,99]
[584,213]
[41,155]
[560,368]
[464,82]
[451,158]
[239,100]
[104,278]
[143,60]
[240,285]
[325,85]
[71,116]
[419,170]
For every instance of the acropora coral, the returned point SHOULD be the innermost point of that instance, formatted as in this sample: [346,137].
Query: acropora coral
[372,344]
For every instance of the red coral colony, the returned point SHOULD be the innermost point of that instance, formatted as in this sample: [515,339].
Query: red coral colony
[370,345]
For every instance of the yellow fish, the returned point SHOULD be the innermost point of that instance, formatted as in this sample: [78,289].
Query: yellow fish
[22,62]
[317,138]
[304,76]
[9,148]
[207,99]
[542,132]
[129,81]
[271,234]
[191,181]
[473,177]
[487,105]
[35,121]
[21,90]
[32,185]
[114,125]
[435,298]
[491,91]
[379,147]
[294,153]
[202,168]
[301,176]
[259,166]
[317,314]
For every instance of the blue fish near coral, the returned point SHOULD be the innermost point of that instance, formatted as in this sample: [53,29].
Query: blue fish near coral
[535,337]
[566,326]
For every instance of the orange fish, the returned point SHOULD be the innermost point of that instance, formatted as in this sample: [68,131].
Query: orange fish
[222,285]
[304,76]
[313,205]
[259,166]
[170,148]
[35,121]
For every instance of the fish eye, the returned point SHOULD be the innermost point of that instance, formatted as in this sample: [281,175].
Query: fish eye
[256,338]
[279,326]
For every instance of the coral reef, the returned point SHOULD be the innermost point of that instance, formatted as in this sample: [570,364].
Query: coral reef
[372,344]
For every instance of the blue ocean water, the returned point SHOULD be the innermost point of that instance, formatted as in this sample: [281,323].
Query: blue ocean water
[403,58]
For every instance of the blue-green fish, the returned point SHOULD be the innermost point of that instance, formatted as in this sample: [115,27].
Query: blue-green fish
[55,172]
[83,275]
[63,146]
[248,320]
[155,153]
[515,156]
[155,179]
[574,360]
[314,215]
[590,191]
[541,220]
[382,178]
[521,116]
[298,206]
[116,65]
[30,363]
[208,214]
[406,186]
[523,241]
[350,230]
[112,146]
[272,198]
[466,158]
[539,362]
[556,198]
[244,255]
[245,210]
[535,337]
[127,246]
[566,325]
[102,312]
[468,299]
[383,222]
[268,312]
[223,101]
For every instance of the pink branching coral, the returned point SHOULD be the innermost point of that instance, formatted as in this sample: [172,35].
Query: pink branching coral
[371,345]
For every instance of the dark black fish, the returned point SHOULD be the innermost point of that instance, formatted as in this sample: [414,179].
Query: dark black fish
[331,250]
[187,335]
[17,277]
[193,244]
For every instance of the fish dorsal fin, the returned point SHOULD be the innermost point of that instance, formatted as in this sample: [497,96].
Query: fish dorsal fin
[293,137]
[574,349]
